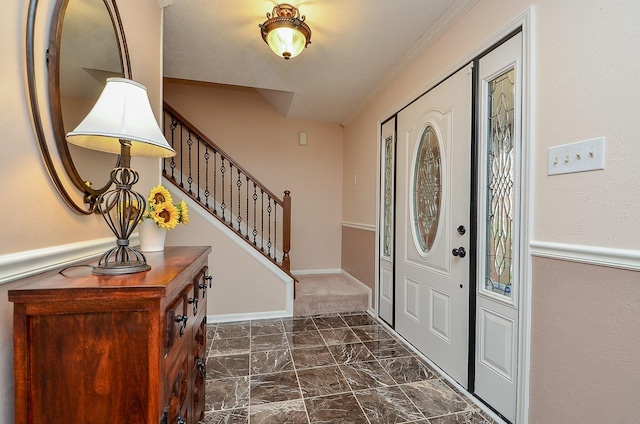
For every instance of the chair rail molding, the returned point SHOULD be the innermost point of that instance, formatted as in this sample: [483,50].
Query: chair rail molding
[593,255]
[358,226]
[24,264]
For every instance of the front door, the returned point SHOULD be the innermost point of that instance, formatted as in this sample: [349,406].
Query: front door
[433,218]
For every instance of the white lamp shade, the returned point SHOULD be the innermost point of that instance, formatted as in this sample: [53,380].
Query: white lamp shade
[122,112]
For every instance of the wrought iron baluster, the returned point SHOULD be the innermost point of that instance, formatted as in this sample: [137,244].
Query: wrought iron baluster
[262,219]
[172,165]
[181,154]
[189,162]
[164,132]
[231,193]
[239,217]
[255,212]
[275,231]
[215,182]
[269,226]
[206,175]
[198,168]
[247,214]
[222,204]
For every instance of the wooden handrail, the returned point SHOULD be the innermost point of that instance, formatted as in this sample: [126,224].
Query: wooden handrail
[256,214]
[217,148]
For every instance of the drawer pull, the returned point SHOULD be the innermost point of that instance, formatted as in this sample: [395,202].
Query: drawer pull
[180,420]
[193,301]
[203,286]
[202,368]
[182,319]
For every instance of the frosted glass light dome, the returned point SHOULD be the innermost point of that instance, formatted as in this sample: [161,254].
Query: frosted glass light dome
[285,31]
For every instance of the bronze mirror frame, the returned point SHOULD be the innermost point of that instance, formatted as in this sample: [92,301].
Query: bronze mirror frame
[54,103]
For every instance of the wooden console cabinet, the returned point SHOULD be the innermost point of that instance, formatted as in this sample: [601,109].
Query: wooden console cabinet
[113,349]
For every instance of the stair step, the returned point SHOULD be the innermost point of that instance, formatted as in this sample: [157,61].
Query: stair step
[328,293]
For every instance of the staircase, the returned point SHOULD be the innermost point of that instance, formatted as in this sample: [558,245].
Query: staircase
[227,191]
[328,294]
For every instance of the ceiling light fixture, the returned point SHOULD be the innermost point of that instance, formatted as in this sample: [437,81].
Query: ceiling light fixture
[285,31]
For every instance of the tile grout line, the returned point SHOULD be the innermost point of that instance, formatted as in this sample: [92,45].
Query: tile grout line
[371,336]
[295,369]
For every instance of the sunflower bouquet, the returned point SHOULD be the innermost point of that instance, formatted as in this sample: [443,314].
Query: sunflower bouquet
[162,211]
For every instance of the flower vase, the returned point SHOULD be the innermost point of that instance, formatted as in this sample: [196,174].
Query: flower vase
[151,236]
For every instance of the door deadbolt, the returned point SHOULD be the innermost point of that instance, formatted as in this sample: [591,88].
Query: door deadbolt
[462,230]
[459,252]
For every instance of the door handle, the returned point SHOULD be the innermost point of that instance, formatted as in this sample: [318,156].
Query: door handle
[459,252]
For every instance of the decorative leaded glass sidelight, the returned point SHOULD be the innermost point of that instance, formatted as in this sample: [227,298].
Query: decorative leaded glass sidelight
[501,185]
[427,189]
[388,197]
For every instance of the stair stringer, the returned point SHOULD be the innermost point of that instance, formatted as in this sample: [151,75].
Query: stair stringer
[246,284]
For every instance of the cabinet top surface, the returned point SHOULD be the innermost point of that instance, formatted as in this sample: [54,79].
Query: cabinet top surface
[165,267]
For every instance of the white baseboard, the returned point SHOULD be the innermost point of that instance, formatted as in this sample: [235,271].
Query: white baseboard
[364,286]
[317,271]
[247,316]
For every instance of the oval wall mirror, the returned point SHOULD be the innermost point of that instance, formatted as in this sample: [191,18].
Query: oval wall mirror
[86,46]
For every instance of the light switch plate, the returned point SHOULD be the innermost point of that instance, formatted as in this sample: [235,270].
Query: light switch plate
[587,155]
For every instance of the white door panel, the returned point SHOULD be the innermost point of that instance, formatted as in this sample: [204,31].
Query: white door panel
[432,200]
[387,222]
[497,297]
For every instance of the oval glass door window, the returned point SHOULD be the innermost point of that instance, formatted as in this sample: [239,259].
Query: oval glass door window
[427,190]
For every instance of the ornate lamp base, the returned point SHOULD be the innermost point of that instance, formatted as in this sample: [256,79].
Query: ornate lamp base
[121,260]
[122,209]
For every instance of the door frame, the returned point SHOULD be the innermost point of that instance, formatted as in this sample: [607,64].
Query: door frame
[522,23]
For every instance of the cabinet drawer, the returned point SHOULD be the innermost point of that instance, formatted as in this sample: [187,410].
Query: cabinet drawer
[184,310]
[177,319]
[200,284]
[177,408]
[200,369]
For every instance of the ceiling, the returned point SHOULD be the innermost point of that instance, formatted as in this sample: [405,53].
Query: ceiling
[358,47]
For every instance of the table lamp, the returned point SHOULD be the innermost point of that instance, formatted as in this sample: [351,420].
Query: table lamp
[122,122]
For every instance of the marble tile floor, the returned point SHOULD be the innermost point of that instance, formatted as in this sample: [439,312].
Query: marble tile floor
[338,368]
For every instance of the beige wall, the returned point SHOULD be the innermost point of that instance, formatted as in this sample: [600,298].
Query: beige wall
[586,326]
[358,256]
[34,217]
[242,286]
[265,143]
[585,62]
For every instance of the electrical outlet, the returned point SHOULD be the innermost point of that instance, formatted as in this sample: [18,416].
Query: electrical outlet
[587,155]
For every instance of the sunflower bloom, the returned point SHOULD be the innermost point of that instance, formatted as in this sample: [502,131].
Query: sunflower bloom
[159,195]
[129,209]
[184,212]
[165,215]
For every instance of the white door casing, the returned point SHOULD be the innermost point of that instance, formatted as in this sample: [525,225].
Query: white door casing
[432,285]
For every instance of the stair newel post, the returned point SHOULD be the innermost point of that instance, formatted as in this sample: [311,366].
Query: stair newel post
[286,231]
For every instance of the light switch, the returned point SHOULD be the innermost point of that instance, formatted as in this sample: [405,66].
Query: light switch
[303,139]
[587,155]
